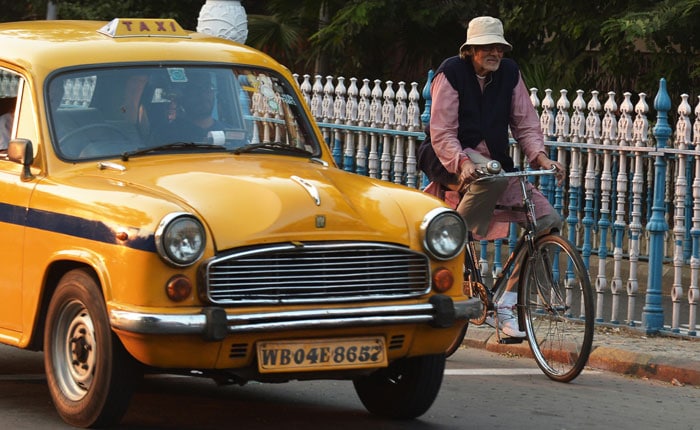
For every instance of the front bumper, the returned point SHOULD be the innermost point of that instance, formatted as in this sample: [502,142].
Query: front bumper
[214,324]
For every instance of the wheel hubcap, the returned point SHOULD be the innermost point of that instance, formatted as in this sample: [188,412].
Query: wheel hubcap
[74,351]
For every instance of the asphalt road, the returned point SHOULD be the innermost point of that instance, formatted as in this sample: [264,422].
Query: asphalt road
[480,390]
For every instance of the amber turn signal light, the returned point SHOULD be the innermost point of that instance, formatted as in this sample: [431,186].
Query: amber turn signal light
[178,288]
[442,280]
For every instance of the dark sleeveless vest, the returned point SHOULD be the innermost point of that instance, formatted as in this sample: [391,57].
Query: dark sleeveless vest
[482,116]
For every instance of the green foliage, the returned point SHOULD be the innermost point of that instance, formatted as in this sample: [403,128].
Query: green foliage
[185,11]
[618,45]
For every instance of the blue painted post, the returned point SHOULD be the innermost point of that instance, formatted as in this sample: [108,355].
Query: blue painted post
[653,313]
[338,150]
[425,116]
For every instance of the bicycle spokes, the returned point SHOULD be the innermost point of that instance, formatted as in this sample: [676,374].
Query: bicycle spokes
[554,282]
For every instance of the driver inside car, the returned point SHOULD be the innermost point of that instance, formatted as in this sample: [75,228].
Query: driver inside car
[193,119]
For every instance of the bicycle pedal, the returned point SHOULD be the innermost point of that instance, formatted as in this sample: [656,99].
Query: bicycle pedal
[511,340]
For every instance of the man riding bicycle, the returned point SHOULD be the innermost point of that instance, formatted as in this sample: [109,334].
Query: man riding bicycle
[476,97]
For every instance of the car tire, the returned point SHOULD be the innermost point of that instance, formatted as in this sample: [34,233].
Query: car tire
[90,375]
[404,390]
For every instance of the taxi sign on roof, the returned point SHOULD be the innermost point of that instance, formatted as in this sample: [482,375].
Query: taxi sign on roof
[143,27]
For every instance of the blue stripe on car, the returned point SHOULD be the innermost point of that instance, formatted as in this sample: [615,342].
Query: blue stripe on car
[72,226]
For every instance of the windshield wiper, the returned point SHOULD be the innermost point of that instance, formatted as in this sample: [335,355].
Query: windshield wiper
[271,146]
[173,145]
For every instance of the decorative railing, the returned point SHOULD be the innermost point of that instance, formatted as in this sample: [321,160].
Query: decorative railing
[631,201]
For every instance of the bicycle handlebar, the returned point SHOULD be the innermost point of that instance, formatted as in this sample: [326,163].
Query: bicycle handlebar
[493,170]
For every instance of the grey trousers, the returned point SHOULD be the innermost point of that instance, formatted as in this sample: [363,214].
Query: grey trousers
[479,202]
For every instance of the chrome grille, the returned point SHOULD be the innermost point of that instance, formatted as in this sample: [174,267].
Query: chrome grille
[305,273]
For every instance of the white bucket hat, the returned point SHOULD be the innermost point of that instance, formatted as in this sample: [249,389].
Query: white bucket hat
[485,30]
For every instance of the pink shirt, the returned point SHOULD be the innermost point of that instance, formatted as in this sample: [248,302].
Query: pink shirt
[525,129]
[524,124]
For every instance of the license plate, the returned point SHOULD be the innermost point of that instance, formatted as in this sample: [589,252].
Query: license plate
[321,354]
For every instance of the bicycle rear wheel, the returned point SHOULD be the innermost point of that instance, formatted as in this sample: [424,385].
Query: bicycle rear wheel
[556,308]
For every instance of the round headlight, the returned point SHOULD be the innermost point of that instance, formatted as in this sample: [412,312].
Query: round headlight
[444,233]
[180,239]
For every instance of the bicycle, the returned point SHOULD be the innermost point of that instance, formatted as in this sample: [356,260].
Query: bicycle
[553,286]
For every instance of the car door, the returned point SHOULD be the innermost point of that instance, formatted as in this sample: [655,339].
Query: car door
[14,201]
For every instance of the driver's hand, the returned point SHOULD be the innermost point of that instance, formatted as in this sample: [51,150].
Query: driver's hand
[467,174]
[544,162]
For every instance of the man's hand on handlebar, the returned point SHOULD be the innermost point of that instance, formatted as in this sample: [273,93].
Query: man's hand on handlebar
[468,174]
[543,162]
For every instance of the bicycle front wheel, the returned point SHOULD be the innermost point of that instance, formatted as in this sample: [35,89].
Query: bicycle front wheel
[556,307]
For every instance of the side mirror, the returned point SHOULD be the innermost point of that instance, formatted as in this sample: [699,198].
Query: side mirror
[21,151]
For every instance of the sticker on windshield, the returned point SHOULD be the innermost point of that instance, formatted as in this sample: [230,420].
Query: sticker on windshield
[177,74]
[286,98]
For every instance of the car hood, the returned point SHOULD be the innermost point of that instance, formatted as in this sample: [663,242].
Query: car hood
[253,199]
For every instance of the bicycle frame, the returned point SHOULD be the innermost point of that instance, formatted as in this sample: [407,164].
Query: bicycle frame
[527,239]
[559,343]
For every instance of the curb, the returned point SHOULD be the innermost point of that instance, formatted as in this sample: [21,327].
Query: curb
[675,371]
[638,364]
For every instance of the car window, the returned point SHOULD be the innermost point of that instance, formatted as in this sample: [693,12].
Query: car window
[101,113]
[9,84]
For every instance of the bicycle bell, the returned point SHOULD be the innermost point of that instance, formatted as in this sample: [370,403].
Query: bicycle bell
[493,167]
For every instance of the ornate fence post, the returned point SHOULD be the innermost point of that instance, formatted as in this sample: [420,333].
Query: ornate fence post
[640,131]
[592,137]
[609,135]
[327,112]
[624,128]
[578,132]
[305,88]
[694,290]
[413,118]
[363,121]
[425,116]
[563,132]
[388,110]
[350,158]
[375,108]
[339,153]
[681,141]
[653,313]
[400,122]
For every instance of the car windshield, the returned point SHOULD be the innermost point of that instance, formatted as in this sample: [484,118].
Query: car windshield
[138,111]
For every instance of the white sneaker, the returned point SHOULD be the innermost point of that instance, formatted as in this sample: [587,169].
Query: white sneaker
[508,323]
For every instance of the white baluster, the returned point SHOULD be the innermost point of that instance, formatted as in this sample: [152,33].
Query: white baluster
[351,120]
[413,121]
[547,115]
[317,97]
[363,121]
[620,225]
[681,141]
[534,99]
[578,134]
[388,121]
[592,137]
[640,136]
[327,101]
[327,112]
[339,118]
[609,136]
[562,121]
[306,89]
[375,108]
[400,120]
[694,289]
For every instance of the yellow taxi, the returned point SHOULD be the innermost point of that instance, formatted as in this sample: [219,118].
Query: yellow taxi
[168,204]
